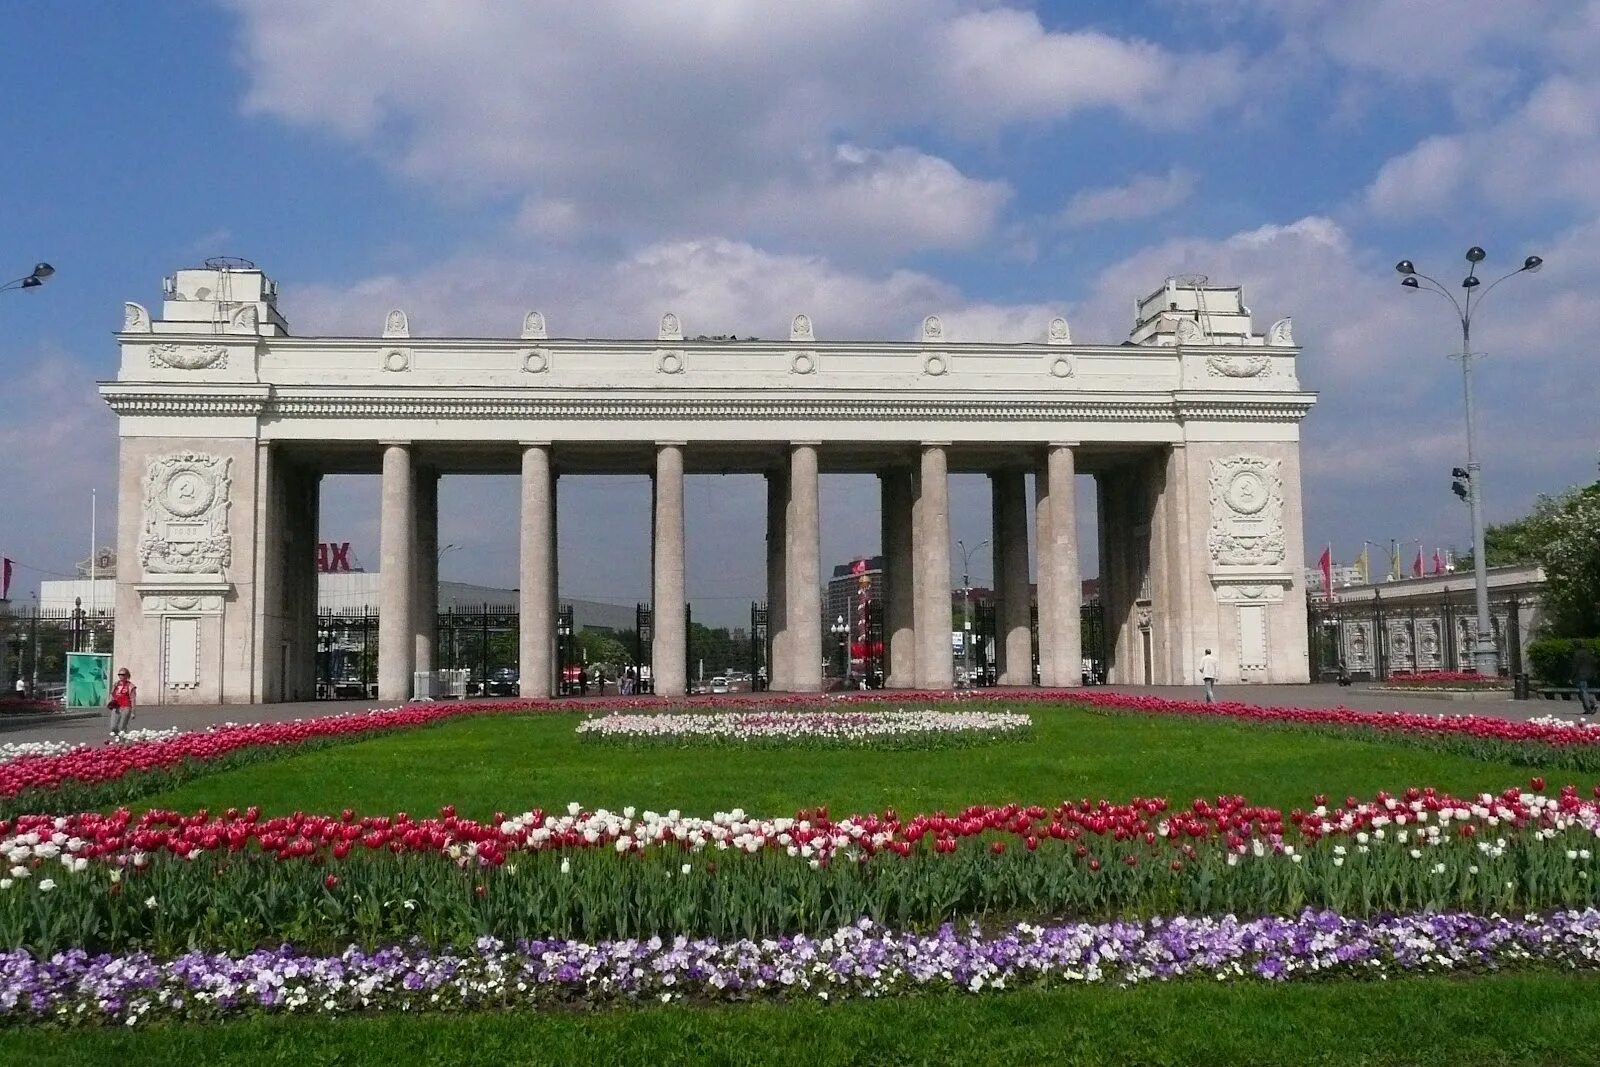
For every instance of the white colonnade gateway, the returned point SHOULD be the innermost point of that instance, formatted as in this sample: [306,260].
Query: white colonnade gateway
[1190,429]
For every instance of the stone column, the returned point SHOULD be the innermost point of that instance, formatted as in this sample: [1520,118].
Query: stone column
[302,569]
[426,605]
[1015,643]
[935,662]
[1044,542]
[397,586]
[899,580]
[1066,586]
[669,656]
[802,571]
[537,572]
[777,578]
[554,680]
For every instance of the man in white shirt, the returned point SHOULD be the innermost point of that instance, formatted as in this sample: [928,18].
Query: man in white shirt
[1208,674]
[22,688]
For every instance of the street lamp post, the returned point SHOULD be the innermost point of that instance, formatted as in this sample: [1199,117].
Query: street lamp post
[1485,657]
[841,630]
[966,605]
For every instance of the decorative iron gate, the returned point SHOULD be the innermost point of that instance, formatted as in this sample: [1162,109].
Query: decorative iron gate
[1382,637]
[758,645]
[1092,630]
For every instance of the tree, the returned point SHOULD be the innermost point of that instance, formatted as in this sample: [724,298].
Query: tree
[1569,551]
[602,648]
[1509,543]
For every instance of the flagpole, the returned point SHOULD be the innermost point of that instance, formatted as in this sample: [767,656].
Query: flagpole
[94,596]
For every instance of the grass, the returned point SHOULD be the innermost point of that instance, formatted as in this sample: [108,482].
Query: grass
[1532,1019]
[512,763]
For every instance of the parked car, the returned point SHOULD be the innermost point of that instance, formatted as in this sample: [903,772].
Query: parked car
[719,684]
[503,682]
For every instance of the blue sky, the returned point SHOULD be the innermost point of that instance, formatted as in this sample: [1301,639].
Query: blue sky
[866,163]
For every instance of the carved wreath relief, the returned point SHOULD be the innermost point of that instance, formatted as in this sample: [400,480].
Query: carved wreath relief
[189,357]
[186,514]
[1238,367]
[1246,512]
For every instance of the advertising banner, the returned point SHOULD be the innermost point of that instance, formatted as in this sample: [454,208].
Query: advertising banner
[88,679]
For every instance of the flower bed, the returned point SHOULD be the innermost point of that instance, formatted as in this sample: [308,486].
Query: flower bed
[168,881]
[1447,681]
[856,960]
[28,707]
[823,729]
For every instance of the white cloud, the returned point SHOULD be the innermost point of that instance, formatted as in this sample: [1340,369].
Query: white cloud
[1143,197]
[643,121]
[57,442]
[1002,64]
[1545,151]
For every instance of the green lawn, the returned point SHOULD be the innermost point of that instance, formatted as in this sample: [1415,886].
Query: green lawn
[1533,1019]
[513,763]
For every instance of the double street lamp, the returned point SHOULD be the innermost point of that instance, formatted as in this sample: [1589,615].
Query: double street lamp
[41,271]
[1485,657]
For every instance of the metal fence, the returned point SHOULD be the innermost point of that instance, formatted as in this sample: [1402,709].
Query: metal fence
[1379,638]
[34,643]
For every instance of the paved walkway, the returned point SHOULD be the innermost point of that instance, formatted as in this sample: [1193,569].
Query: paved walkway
[91,725]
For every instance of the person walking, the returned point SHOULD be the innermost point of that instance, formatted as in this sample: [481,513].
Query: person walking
[123,694]
[22,688]
[1208,675]
[1583,671]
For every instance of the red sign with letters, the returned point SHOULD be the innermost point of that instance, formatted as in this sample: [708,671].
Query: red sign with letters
[333,557]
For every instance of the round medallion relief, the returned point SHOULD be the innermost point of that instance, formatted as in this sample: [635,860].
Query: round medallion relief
[935,365]
[1247,493]
[535,363]
[187,493]
[803,363]
[671,363]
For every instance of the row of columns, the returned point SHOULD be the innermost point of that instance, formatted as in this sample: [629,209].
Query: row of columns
[916,549]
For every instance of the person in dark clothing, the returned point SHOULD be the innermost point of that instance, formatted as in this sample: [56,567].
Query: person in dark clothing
[1583,671]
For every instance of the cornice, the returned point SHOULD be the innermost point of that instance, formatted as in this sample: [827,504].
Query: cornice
[185,399]
[266,401]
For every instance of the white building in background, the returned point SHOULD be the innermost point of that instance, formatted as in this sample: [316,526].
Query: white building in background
[1190,430]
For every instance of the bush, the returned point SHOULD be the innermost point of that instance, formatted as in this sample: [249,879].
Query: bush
[1551,657]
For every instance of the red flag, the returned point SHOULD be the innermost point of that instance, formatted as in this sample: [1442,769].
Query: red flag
[1416,564]
[1326,565]
[1438,562]
[5,579]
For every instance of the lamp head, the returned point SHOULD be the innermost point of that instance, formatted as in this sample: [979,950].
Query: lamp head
[42,271]
[1532,264]
[1476,254]
[1405,266]
[1408,283]
[1469,281]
